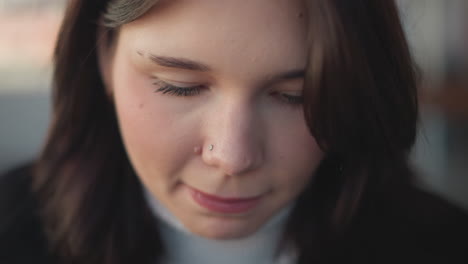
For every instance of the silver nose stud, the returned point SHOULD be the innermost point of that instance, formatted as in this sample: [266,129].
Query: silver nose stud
[211,147]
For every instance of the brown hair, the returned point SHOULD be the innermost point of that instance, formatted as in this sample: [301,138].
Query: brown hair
[360,105]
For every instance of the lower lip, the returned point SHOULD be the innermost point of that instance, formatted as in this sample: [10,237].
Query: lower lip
[225,206]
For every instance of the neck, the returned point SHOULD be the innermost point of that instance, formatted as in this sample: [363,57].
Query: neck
[263,246]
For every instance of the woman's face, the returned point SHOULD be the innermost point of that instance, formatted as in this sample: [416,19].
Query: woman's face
[208,98]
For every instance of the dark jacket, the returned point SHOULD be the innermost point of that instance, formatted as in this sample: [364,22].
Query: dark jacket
[414,227]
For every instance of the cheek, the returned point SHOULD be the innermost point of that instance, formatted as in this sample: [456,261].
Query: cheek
[154,136]
[299,153]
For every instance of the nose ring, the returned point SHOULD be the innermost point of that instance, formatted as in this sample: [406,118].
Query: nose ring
[211,147]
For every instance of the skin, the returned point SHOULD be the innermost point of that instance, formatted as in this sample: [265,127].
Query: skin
[261,145]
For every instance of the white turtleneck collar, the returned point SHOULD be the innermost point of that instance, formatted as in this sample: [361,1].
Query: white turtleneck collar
[184,247]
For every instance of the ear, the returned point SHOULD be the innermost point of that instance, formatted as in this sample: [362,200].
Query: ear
[105,55]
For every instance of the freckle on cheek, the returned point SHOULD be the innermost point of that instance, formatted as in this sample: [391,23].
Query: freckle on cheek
[140,106]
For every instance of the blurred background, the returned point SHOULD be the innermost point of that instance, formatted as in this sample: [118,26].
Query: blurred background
[438,35]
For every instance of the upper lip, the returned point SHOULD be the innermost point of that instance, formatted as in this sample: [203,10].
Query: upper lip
[227,199]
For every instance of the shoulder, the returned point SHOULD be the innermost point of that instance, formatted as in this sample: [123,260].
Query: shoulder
[427,213]
[417,225]
[21,238]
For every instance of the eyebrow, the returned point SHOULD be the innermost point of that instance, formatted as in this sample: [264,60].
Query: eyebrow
[294,74]
[187,64]
[179,63]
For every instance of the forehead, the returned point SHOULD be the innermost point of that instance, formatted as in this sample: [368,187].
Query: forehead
[223,32]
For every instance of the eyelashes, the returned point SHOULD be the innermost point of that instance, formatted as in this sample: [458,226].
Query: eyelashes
[170,89]
[292,99]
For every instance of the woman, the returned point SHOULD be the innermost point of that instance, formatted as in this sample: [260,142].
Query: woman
[219,132]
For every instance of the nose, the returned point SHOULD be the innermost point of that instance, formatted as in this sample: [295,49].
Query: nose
[233,142]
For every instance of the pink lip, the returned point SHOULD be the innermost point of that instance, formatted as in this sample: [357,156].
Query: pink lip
[222,204]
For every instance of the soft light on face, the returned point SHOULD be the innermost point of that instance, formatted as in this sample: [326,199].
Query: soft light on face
[194,75]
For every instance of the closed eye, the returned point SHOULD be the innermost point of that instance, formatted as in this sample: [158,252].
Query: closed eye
[171,89]
[293,100]
[166,88]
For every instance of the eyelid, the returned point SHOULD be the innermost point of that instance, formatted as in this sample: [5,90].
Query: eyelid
[171,89]
[181,77]
[291,93]
[162,83]
[180,84]
[293,99]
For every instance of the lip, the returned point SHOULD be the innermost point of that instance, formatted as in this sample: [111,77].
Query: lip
[231,205]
